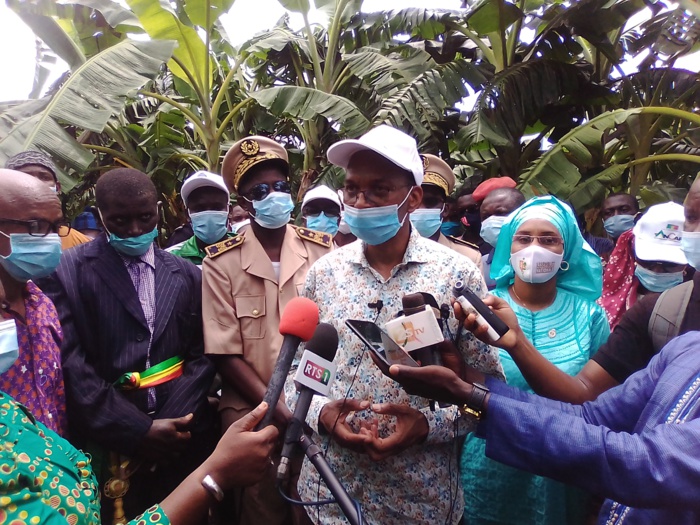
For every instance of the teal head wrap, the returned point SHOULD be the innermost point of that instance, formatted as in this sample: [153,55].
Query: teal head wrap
[584,276]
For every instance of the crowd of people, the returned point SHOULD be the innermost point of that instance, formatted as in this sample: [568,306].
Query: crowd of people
[132,377]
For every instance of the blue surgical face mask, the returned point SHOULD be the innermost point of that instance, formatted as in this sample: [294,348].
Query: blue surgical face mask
[323,223]
[210,226]
[31,257]
[491,228]
[690,244]
[427,220]
[343,226]
[657,282]
[130,246]
[375,225]
[452,228]
[618,224]
[9,345]
[274,211]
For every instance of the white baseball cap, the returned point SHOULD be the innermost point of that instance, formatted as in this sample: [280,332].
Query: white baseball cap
[657,235]
[391,143]
[200,180]
[320,192]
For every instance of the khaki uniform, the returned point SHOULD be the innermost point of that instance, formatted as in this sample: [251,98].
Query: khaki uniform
[242,299]
[465,248]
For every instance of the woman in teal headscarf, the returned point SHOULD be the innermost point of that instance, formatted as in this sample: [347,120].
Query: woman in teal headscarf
[551,278]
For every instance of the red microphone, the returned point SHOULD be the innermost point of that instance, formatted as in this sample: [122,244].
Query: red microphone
[297,323]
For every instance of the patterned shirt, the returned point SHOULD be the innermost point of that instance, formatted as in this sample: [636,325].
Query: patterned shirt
[36,378]
[44,479]
[142,271]
[420,485]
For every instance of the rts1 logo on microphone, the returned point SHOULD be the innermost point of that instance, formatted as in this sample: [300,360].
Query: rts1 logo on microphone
[317,372]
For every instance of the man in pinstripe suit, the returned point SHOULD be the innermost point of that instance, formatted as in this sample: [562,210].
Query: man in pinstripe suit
[133,353]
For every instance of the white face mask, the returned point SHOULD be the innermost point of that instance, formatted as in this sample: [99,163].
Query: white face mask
[535,264]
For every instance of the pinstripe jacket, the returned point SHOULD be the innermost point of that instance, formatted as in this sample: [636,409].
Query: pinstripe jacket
[106,335]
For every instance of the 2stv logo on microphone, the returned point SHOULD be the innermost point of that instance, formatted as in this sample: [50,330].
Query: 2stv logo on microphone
[317,372]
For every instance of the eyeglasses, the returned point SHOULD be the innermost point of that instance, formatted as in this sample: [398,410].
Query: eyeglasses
[41,228]
[543,240]
[330,215]
[661,266]
[262,190]
[375,195]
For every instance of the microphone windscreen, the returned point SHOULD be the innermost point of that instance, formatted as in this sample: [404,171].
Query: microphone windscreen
[324,343]
[300,318]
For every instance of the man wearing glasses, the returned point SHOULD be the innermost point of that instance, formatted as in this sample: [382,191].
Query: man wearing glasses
[41,167]
[393,454]
[247,282]
[30,248]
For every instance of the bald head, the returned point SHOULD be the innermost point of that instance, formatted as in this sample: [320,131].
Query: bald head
[23,198]
[20,193]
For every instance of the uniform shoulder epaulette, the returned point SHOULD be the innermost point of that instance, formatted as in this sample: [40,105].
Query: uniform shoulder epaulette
[222,247]
[463,242]
[322,238]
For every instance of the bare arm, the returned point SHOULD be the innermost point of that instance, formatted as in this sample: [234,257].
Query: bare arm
[542,376]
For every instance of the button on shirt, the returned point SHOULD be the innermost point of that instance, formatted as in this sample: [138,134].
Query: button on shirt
[142,271]
[420,485]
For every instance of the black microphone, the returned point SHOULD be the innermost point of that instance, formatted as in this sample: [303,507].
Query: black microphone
[297,324]
[314,376]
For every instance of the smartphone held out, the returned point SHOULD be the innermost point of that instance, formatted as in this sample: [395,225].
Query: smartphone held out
[378,341]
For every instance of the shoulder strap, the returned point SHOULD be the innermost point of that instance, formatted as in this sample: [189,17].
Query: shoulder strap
[322,238]
[667,315]
[222,247]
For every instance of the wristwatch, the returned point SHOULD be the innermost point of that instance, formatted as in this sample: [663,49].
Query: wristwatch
[213,488]
[475,404]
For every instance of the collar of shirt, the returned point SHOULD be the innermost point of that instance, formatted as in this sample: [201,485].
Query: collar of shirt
[415,251]
[149,258]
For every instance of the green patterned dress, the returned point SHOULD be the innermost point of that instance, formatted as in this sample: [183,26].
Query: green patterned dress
[44,479]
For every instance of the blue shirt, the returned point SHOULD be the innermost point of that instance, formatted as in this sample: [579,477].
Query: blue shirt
[638,444]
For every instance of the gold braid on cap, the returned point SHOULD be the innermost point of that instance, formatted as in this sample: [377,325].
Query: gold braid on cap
[431,177]
[248,163]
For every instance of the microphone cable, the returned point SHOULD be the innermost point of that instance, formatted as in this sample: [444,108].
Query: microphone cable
[301,503]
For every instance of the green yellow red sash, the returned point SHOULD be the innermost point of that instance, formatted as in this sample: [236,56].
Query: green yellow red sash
[155,375]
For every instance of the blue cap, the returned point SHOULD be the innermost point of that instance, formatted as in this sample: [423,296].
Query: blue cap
[85,221]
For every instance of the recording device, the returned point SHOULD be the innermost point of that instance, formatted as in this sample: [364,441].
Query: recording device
[418,329]
[470,303]
[379,342]
[297,324]
[314,376]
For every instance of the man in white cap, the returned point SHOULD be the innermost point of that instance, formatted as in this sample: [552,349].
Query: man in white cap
[321,210]
[206,198]
[396,457]
[647,259]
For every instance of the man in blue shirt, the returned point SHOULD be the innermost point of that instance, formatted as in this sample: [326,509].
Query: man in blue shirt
[636,445]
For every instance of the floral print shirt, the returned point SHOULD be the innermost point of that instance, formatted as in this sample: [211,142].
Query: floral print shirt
[44,479]
[420,485]
[36,380]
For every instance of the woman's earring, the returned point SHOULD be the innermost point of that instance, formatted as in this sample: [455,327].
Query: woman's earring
[564,266]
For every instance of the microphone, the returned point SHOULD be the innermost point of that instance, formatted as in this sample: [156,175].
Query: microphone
[418,330]
[297,324]
[314,376]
